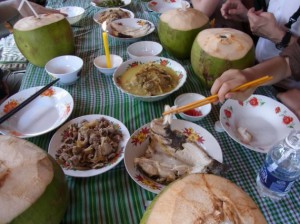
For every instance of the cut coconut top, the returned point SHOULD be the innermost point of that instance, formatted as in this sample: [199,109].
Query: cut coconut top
[225,43]
[188,19]
[203,197]
[32,22]
[25,172]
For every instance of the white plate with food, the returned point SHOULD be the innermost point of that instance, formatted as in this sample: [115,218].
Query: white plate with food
[71,145]
[169,155]
[258,122]
[110,3]
[129,29]
[111,14]
[161,6]
[45,113]
[132,77]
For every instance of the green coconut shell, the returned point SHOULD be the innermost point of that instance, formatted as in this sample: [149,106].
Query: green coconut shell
[197,198]
[39,45]
[208,68]
[51,205]
[178,39]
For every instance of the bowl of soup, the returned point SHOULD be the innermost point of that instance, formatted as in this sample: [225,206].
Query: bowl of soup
[149,78]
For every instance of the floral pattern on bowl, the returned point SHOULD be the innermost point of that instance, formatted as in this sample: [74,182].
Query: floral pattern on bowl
[267,120]
[50,110]
[139,141]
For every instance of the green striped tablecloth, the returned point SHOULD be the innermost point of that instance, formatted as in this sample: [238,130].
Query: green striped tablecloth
[113,197]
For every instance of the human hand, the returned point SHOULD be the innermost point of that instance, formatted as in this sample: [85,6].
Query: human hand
[264,24]
[234,10]
[228,81]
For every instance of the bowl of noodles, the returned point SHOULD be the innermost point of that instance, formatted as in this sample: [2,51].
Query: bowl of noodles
[149,78]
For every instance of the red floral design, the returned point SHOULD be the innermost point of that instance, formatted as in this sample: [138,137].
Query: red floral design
[153,3]
[133,64]
[277,110]
[172,0]
[140,137]
[227,113]
[287,119]
[10,105]
[48,92]
[241,103]
[67,110]
[253,101]
[164,62]
[149,183]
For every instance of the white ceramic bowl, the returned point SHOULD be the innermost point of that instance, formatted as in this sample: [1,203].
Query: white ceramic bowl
[144,48]
[74,13]
[98,14]
[190,115]
[178,68]
[264,118]
[100,63]
[66,67]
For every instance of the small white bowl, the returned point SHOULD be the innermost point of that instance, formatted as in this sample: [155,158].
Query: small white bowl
[74,13]
[100,63]
[186,98]
[144,48]
[66,67]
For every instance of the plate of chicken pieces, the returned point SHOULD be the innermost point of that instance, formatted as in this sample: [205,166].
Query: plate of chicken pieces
[89,145]
[161,152]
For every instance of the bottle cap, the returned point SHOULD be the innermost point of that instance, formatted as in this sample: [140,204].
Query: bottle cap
[293,139]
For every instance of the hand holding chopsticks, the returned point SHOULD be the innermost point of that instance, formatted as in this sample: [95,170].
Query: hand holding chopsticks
[27,101]
[214,98]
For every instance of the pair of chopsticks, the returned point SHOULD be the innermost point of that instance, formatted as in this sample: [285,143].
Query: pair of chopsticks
[214,98]
[27,101]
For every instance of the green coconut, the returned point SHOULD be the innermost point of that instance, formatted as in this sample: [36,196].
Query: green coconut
[216,50]
[202,198]
[177,29]
[33,188]
[41,39]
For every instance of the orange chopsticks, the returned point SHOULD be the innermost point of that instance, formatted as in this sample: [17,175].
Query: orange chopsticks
[214,98]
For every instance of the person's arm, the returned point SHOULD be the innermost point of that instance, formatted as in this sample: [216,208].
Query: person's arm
[25,10]
[234,10]
[263,24]
[208,7]
[278,67]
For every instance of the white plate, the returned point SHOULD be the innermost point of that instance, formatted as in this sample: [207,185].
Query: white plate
[134,23]
[161,6]
[267,120]
[43,114]
[96,16]
[56,142]
[139,140]
[94,3]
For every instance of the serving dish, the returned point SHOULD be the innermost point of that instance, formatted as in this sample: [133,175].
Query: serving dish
[129,64]
[139,140]
[97,16]
[266,119]
[43,114]
[55,143]
[161,6]
[129,29]
[109,3]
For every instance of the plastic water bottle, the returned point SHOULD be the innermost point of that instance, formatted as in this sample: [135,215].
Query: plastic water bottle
[281,168]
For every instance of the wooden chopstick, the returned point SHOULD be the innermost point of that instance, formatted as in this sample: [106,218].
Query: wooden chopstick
[27,101]
[214,98]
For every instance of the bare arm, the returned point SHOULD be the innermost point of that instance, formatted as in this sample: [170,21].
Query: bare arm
[278,67]
[208,7]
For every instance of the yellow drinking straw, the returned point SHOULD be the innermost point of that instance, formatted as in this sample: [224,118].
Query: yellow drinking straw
[106,49]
